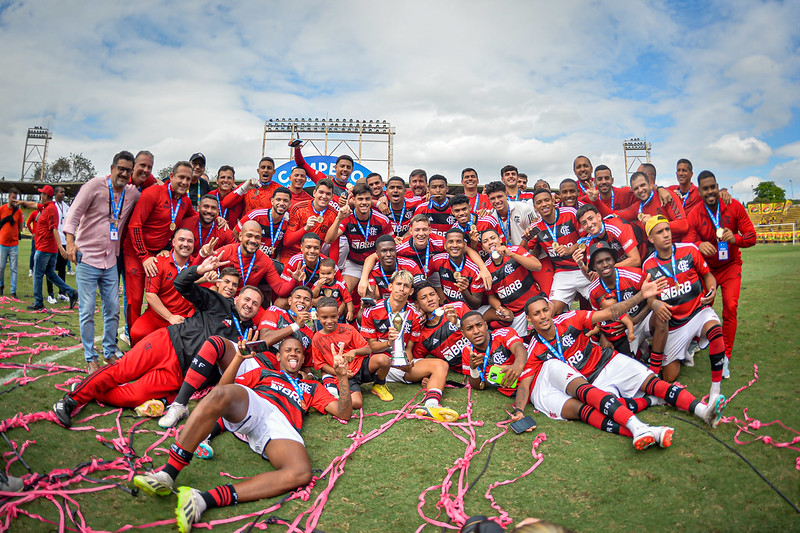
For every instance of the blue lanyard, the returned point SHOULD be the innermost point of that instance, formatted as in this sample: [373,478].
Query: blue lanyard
[427,254]
[516,197]
[588,238]
[674,274]
[558,350]
[457,268]
[173,214]
[238,326]
[363,231]
[241,266]
[402,215]
[225,213]
[295,385]
[686,197]
[313,272]
[200,230]
[271,234]
[486,358]
[475,203]
[642,205]
[554,230]
[612,198]
[198,191]
[115,208]
[616,286]
[584,190]
[180,268]
[389,314]
[714,219]
[432,204]
[383,273]
[507,226]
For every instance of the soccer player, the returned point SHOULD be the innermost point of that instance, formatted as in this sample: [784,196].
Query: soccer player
[204,227]
[307,263]
[613,230]
[159,211]
[568,193]
[556,234]
[501,347]
[614,197]
[254,194]
[582,168]
[379,268]
[460,277]
[343,340]
[278,324]
[514,218]
[268,406]
[316,216]
[440,335]
[327,286]
[478,202]
[684,302]
[381,329]
[470,224]
[226,181]
[401,209]
[338,182]
[297,180]
[512,281]
[156,366]
[375,183]
[273,222]
[710,225]
[361,228]
[437,208]
[510,177]
[165,305]
[690,196]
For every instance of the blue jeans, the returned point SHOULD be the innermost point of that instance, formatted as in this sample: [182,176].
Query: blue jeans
[10,254]
[44,264]
[90,280]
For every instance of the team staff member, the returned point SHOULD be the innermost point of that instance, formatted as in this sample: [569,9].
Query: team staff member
[156,366]
[99,215]
[273,222]
[254,194]
[165,305]
[297,180]
[710,225]
[478,202]
[614,197]
[158,213]
[199,186]
[342,170]
[226,181]
[205,225]
[690,196]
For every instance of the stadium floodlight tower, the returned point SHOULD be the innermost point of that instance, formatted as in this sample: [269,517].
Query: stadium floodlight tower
[637,151]
[35,152]
[369,142]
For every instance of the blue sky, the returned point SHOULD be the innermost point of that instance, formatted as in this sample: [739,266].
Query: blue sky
[465,83]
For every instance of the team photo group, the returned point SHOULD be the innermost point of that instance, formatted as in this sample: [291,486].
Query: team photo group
[582,300]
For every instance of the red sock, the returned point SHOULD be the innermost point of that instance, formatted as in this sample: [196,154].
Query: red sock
[179,459]
[432,394]
[221,496]
[636,405]
[674,395]
[716,352]
[606,403]
[595,418]
[200,368]
[656,358]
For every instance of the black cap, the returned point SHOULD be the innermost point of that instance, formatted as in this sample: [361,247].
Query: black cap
[600,246]
[198,155]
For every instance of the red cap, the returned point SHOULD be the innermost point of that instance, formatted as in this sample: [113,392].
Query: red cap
[48,190]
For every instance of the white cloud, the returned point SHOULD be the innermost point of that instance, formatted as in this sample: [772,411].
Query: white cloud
[743,190]
[732,150]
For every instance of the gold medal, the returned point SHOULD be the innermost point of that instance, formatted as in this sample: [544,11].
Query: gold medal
[303,405]
[641,216]
[582,247]
[457,276]
[172,226]
[720,232]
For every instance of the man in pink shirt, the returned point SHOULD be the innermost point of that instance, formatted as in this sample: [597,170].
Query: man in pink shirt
[93,227]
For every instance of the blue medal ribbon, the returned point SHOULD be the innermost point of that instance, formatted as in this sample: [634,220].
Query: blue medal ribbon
[686,197]
[674,274]
[363,231]
[475,203]
[486,355]
[309,277]
[554,230]
[432,204]
[714,218]
[245,277]
[278,232]
[457,268]
[219,201]
[616,285]
[383,273]
[398,222]
[180,268]
[173,213]
[427,254]
[642,205]
[200,230]
[238,326]
[507,226]
[612,198]
[557,351]
[296,386]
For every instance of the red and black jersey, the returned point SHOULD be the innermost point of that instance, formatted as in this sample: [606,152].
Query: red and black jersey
[276,388]
[511,282]
[439,215]
[565,231]
[163,286]
[260,198]
[479,202]
[362,234]
[401,219]
[443,340]
[203,235]
[380,278]
[312,274]
[467,228]
[275,318]
[630,283]
[323,344]
[272,229]
[618,234]
[689,200]
[337,291]
[444,265]
[683,269]
[579,351]
[298,215]
[500,353]
[424,256]
[375,322]
[521,196]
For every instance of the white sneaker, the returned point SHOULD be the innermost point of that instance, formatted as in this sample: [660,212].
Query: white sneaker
[154,483]
[70,273]
[124,338]
[63,297]
[51,300]
[663,435]
[644,438]
[714,411]
[656,401]
[175,413]
[30,273]
[726,371]
[189,509]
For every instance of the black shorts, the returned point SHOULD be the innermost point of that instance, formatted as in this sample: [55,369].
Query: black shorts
[363,376]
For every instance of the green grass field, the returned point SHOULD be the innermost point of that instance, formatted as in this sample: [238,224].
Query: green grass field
[588,481]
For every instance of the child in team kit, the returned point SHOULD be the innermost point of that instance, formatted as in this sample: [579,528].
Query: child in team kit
[327,286]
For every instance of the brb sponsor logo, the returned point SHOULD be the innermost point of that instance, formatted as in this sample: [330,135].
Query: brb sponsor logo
[322,163]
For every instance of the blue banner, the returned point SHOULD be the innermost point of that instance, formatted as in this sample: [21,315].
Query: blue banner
[322,163]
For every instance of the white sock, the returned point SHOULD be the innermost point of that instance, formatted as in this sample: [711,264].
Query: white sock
[701,409]
[715,389]
[636,425]
[432,402]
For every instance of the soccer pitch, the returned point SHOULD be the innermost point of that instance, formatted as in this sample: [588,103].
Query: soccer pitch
[587,480]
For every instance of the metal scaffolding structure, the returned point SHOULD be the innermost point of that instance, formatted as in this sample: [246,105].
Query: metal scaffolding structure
[35,152]
[637,151]
[363,140]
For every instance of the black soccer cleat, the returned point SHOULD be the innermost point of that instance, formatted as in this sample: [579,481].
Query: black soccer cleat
[63,409]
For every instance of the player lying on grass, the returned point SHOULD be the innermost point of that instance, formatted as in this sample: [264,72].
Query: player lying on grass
[266,406]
